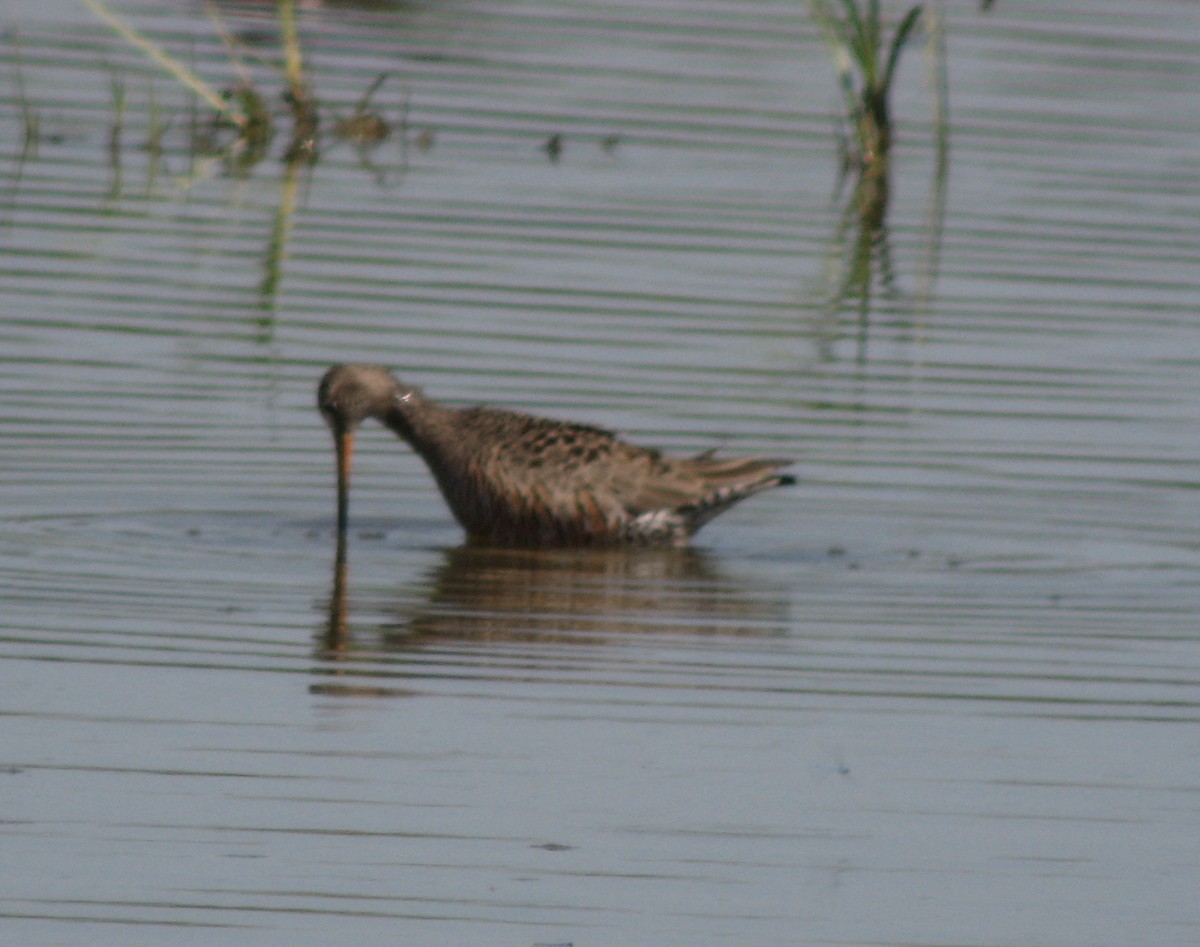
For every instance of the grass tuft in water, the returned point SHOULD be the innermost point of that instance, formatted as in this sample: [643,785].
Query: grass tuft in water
[860,260]
[244,107]
[866,65]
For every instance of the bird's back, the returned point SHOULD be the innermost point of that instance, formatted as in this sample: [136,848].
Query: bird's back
[515,479]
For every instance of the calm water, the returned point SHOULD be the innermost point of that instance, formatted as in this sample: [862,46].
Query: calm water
[943,692]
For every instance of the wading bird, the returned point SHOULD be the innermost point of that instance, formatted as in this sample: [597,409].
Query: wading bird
[514,479]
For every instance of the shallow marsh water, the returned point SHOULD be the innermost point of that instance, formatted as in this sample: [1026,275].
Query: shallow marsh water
[944,691]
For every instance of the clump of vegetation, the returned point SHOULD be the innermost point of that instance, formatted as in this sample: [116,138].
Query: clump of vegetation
[243,109]
[860,262]
[866,64]
[365,126]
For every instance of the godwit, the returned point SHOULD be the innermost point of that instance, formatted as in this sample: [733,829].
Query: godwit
[513,479]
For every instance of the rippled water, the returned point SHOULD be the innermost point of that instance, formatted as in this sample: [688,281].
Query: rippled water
[943,691]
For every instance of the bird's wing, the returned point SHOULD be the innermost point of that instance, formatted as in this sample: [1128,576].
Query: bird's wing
[660,483]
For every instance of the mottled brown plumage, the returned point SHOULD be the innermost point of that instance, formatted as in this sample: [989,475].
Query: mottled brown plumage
[516,480]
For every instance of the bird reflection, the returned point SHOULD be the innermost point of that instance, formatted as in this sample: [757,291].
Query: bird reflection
[582,596]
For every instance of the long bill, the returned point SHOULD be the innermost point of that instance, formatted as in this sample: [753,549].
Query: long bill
[343,442]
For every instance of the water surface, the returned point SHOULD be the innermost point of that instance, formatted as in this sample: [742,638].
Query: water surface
[944,691]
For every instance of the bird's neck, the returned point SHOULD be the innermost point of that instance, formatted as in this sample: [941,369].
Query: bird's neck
[426,425]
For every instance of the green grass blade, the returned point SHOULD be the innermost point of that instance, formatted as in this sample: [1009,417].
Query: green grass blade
[940,81]
[834,32]
[230,41]
[858,39]
[903,32]
[293,63]
[156,53]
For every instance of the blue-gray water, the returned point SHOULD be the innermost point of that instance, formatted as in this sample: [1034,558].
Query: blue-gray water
[945,691]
